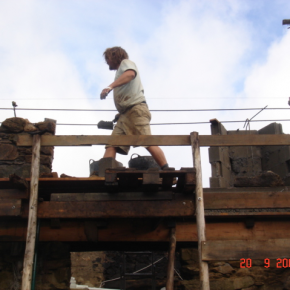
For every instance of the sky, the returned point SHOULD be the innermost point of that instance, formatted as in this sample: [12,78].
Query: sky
[191,54]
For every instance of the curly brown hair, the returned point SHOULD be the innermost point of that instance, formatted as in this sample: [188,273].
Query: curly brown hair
[116,54]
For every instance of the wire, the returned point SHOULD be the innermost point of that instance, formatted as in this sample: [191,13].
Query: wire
[178,98]
[189,123]
[114,110]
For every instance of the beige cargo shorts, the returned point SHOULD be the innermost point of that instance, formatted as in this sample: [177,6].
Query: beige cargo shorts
[135,121]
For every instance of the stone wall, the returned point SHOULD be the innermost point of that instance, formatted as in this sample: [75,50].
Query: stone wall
[93,268]
[229,275]
[53,266]
[17,160]
[228,163]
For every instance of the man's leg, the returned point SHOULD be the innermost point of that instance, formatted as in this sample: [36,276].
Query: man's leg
[110,152]
[158,155]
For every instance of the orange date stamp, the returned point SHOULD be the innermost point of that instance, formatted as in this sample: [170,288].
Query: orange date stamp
[279,263]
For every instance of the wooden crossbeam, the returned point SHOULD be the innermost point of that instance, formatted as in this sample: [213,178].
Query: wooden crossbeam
[114,209]
[247,199]
[233,250]
[142,230]
[10,207]
[160,140]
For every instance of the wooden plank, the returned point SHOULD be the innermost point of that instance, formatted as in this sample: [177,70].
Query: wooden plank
[167,195]
[200,219]
[32,216]
[10,207]
[244,140]
[219,213]
[247,199]
[161,140]
[113,209]
[87,140]
[140,230]
[13,193]
[233,250]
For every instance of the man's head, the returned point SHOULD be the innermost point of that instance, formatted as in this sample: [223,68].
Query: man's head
[114,56]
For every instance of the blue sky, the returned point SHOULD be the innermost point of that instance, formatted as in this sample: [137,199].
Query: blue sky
[191,55]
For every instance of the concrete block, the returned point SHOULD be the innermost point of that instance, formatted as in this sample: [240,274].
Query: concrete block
[284,153]
[237,152]
[217,128]
[243,132]
[214,154]
[214,182]
[216,170]
[273,128]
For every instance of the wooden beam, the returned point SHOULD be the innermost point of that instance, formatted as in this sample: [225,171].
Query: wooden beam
[114,209]
[141,230]
[13,193]
[161,140]
[233,250]
[97,196]
[87,140]
[244,140]
[247,199]
[32,215]
[200,219]
[171,259]
[10,207]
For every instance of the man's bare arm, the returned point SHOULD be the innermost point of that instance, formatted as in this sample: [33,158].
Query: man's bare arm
[124,78]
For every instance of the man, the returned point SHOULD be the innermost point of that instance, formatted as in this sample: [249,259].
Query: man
[134,116]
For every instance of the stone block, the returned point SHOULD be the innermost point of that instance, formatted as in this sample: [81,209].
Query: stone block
[243,282]
[217,128]
[46,150]
[189,255]
[46,126]
[225,269]
[44,159]
[22,170]
[8,152]
[221,284]
[29,127]
[14,125]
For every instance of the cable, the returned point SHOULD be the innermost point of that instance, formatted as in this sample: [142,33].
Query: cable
[114,110]
[189,123]
[178,98]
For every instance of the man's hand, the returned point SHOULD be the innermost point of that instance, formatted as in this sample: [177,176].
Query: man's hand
[116,118]
[105,92]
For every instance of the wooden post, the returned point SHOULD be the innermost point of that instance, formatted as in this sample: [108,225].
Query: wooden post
[171,258]
[200,220]
[32,215]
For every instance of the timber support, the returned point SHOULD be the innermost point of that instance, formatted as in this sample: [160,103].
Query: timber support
[32,216]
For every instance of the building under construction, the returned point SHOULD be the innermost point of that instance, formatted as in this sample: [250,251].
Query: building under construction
[233,235]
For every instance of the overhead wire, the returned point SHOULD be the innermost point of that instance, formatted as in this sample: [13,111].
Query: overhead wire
[186,123]
[152,110]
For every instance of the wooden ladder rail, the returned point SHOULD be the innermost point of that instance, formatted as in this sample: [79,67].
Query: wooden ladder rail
[200,219]
[32,215]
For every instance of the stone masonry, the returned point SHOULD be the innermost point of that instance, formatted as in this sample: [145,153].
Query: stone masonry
[17,160]
[229,163]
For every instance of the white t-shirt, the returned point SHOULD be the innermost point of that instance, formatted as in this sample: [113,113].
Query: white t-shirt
[131,93]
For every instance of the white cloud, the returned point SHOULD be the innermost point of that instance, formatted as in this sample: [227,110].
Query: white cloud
[191,54]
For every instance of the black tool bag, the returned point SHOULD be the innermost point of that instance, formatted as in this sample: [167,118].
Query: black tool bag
[142,162]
